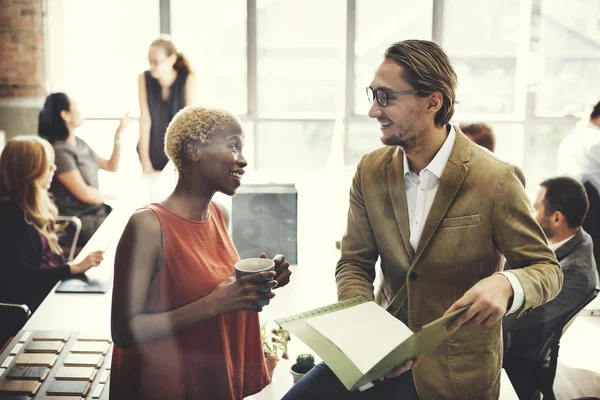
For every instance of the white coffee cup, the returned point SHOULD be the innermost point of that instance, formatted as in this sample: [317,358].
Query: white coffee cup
[250,266]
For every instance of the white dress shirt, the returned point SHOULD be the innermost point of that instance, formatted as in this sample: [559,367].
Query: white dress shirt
[556,246]
[420,192]
[579,153]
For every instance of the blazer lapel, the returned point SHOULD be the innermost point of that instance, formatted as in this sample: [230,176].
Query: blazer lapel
[451,180]
[395,180]
[566,248]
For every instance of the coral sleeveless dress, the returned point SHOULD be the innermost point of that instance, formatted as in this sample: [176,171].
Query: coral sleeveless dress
[218,358]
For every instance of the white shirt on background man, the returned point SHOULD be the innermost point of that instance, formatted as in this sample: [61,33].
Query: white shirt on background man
[579,153]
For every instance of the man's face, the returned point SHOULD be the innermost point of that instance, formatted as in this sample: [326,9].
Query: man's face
[403,120]
[539,212]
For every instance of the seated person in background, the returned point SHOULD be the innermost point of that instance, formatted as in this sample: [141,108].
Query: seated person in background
[183,326]
[579,157]
[559,208]
[31,260]
[76,188]
[481,134]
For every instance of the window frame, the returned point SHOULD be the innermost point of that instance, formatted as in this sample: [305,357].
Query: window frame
[525,92]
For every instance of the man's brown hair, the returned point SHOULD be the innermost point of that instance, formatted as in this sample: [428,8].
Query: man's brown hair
[427,69]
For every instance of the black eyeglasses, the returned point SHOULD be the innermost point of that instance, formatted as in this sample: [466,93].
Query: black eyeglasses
[383,97]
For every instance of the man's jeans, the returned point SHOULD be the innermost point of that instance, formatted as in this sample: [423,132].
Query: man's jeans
[321,383]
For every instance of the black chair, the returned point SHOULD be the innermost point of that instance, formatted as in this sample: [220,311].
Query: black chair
[548,357]
[70,252]
[591,223]
[12,319]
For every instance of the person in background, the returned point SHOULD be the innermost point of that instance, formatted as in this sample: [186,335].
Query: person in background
[481,134]
[440,214]
[32,261]
[560,208]
[183,326]
[167,87]
[579,157]
[75,188]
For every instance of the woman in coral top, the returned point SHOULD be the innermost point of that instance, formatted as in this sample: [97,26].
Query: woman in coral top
[183,326]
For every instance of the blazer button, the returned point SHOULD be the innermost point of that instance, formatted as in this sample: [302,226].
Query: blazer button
[413,276]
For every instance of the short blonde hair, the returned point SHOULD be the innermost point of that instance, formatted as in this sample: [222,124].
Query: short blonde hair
[196,123]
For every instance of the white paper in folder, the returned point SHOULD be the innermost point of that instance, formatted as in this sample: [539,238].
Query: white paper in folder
[363,327]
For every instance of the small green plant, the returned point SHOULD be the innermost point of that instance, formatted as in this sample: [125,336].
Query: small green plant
[285,335]
[304,362]
[271,343]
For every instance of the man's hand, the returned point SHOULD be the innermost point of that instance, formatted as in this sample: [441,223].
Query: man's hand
[488,300]
[401,369]
[282,270]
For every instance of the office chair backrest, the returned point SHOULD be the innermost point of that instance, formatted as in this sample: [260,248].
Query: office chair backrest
[77,226]
[12,318]
[548,357]
[590,223]
[566,322]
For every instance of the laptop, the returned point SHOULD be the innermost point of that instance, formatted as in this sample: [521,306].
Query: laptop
[84,284]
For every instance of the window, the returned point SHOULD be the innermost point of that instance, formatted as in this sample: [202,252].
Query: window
[376,30]
[510,142]
[214,40]
[482,39]
[293,145]
[570,37]
[96,55]
[300,56]
[361,138]
[542,148]
[521,65]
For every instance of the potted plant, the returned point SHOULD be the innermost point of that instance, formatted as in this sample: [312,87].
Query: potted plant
[285,335]
[271,344]
[304,362]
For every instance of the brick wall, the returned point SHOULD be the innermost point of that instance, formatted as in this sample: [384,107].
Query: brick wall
[21,48]
[22,77]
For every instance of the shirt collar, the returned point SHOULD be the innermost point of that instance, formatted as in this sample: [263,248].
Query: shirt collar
[591,125]
[437,165]
[556,246]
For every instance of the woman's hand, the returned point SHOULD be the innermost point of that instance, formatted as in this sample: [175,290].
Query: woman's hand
[241,294]
[282,269]
[147,168]
[92,260]
[123,123]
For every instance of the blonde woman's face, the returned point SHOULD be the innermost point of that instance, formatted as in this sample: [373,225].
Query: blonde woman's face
[160,64]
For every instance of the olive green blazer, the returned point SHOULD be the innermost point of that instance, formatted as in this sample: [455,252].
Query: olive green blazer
[480,214]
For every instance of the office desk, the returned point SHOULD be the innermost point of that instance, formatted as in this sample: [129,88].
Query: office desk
[85,311]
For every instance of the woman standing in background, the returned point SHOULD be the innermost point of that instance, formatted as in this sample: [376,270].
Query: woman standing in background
[167,87]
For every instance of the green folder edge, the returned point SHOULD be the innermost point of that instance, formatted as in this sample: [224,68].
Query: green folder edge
[420,344]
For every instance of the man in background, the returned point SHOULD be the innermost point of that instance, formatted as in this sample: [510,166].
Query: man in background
[560,208]
[480,133]
[579,157]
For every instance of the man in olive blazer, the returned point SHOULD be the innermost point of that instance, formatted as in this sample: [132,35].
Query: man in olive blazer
[440,213]
[480,213]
